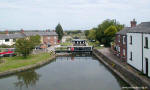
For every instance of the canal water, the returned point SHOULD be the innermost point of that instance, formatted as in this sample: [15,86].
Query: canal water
[65,73]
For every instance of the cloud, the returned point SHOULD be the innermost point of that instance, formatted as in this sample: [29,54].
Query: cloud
[73,14]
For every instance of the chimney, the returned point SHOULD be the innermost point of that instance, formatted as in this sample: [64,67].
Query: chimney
[6,32]
[46,30]
[22,31]
[133,23]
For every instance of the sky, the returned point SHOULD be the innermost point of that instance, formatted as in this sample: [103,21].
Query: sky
[71,14]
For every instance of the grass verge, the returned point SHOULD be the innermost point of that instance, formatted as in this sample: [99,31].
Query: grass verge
[18,61]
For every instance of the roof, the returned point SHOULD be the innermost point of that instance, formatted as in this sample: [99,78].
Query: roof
[124,31]
[40,33]
[22,35]
[144,27]
[11,36]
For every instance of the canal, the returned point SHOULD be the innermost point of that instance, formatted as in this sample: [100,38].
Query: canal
[65,73]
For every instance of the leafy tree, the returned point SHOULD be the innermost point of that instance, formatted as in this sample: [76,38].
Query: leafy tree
[59,31]
[73,32]
[35,40]
[24,46]
[110,33]
[92,35]
[86,32]
[102,36]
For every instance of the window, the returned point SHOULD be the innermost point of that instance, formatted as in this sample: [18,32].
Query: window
[14,40]
[146,42]
[118,38]
[124,42]
[6,40]
[48,37]
[131,40]
[131,56]
[124,52]
[118,49]
[54,37]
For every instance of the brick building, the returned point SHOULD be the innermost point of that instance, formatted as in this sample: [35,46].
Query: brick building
[120,46]
[47,37]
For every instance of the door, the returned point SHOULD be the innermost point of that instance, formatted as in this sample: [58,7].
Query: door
[146,64]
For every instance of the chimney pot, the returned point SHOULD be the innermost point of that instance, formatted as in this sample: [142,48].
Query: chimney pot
[133,23]
[22,31]
[6,32]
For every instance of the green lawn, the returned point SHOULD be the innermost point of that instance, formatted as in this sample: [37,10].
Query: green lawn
[18,61]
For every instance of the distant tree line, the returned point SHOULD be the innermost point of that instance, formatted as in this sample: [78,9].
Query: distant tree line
[73,32]
[104,32]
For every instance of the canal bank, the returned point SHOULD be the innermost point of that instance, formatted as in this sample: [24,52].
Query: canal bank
[124,71]
[64,73]
[27,67]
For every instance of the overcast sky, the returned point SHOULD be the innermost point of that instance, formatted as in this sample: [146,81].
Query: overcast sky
[71,14]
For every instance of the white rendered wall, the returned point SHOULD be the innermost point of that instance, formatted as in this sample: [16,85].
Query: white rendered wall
[7,43]
[146,54]
[136,49]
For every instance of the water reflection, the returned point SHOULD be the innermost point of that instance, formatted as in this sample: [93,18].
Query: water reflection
[65,73]
[27,79]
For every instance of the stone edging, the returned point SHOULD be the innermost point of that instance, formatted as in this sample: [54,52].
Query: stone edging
[122,72]
[21,69]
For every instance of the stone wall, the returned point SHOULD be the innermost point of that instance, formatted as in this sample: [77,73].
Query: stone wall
[130,77]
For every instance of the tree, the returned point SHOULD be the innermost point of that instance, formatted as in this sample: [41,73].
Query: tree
[24,46]
[35,40]
[110,33]
[86,32]
[92,35]
[59,31]
[100,31]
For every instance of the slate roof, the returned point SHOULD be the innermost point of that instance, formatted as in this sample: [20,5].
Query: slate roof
[22,35]
[40,33]
[144,27]
[124,31]
[11,36]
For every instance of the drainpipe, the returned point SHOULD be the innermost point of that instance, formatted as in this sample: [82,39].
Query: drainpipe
[142,52]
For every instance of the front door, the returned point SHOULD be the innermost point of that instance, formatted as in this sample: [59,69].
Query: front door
[146,63]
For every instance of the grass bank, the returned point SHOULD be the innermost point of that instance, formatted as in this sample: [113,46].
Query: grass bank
[18,61]
[95,44]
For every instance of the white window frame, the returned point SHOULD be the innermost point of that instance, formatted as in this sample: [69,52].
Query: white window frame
[124,52]
[48,37]
[124,39]
[118,49]
[118,38]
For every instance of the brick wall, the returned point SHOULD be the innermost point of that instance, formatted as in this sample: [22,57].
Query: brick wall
[124,73]
[122,46]
[50,40]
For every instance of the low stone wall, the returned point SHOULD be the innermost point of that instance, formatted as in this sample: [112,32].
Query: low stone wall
[13,71]
[130,77]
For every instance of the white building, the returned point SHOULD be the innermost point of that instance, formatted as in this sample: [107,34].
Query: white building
[9,39]
[49,38]
[138,47]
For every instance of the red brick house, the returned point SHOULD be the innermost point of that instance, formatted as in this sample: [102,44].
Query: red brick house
[47,37]
[120,45]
